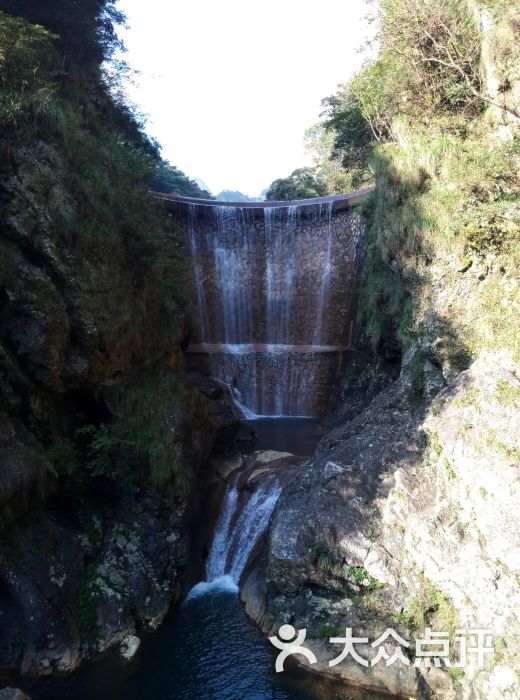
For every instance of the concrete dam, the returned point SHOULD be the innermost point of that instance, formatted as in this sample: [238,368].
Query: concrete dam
[273,290]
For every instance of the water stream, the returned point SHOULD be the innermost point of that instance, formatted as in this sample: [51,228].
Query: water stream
[265,278]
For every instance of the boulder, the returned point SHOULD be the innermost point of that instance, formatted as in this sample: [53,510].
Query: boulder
[129,647]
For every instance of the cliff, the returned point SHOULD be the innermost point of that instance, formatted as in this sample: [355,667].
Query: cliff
[103,440]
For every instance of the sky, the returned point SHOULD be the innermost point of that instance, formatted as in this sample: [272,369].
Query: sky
[230,86]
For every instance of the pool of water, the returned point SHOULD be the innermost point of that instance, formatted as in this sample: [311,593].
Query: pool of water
[297,435]
[208,649]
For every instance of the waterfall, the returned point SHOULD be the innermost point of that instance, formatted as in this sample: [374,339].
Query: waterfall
[281,260]
[233,250]
[243,520]
[202,307]
[266,283]
[322,297]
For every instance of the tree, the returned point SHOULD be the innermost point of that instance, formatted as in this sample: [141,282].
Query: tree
[303,183]
[25,86]
[86,29]
[320,143]
[435,49]
[358,115]
[170,180]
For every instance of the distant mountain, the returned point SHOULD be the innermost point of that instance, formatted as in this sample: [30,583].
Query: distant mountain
[234,196]
[200,182]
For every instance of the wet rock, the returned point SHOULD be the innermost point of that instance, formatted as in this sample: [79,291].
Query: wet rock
[225,465]
[129,647]
[267,456]
[75,581]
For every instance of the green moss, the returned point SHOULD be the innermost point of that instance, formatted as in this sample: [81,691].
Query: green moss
[145,428]
[450,472]
[506,393]
[470,397]
[417,378]
[429,606]
[507,452]
[328,630]
[457,674]
[403,619]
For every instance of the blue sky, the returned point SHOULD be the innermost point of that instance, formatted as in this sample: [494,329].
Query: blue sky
[229,87]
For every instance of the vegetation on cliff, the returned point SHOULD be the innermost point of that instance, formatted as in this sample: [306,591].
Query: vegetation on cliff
[432,123]
[92,279]
[302,183]
[170,180]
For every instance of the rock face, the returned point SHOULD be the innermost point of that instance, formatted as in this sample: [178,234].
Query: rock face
[89,554]
[13,694]
[71,314]
[82,571]
[378,531]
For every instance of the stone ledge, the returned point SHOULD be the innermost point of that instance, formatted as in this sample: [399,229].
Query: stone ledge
[257,348]
[339,201]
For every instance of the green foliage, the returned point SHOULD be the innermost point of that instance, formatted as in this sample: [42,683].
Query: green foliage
[322,558]
[412,123]
[143,435]
[456,673]
[470,397]
[146,409]
[76,165]
[509,453]
[417,382]
[25,86]
[303,183]
[63,458]
[320,142]
[170,180]
[360,576]
[402,619]
[86,30]
[431,53]
[328,630]
[103,446]
[357,115]
[430,606]
[58,112]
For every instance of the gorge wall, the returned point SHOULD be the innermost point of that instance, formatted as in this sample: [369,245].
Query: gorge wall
[273,286]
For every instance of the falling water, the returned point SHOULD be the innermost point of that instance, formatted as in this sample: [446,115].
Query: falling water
[281,261]
[234,261]
[264,298]
[202,307]
[243,520]
[325,281]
